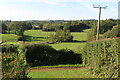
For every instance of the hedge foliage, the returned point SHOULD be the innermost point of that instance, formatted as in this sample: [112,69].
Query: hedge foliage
[14,62]
[43,54]
[102,57]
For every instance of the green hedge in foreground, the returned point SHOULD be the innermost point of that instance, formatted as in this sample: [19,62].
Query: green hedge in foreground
[102,57]
[14,63]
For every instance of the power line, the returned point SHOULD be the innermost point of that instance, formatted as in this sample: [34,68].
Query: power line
[99,7]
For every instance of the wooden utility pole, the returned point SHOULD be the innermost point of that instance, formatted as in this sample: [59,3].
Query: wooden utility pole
[99,7]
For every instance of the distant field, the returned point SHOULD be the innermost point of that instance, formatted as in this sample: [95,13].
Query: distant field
[80,39]
[37,35]
[9,37]
[82,73]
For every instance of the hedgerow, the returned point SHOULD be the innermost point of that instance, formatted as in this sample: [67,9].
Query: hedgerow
[102,57]
[43,54]
[14,65]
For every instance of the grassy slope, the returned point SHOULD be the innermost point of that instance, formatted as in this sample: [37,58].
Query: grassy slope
[83,73]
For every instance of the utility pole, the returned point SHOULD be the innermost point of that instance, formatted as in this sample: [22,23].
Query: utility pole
[99,7]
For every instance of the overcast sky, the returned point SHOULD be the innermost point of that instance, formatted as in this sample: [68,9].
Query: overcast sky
[56,9]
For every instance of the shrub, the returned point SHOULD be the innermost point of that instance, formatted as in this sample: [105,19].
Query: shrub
[14,62]
[102,57]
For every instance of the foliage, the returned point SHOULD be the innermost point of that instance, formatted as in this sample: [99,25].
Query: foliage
[106,25]
[61,36]
[114,32]
[91,35]
[4,28]
[73,26]
[39,54]
[102,58]
[16,27]
[14,62]
[43,54]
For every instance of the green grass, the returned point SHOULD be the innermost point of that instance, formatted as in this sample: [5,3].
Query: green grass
[61,65]
[79,36]
[68,45]
[9,37]
[82,73]
[40,36]
[37,35]
[80,39]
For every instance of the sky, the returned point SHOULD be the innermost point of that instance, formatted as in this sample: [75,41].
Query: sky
[21,10]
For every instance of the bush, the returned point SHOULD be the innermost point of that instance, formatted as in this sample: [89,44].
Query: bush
[61,36]
[67,56]
[114,32]
[102,58]
[43,54]
[14,62]
[40,54]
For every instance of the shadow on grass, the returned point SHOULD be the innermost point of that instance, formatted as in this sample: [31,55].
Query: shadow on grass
[77,41]
[30,38]
[41,37]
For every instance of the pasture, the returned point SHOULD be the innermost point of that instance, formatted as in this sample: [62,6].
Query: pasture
[38,36]
[82,73]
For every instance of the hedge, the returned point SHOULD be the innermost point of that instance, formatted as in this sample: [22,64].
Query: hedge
[42,54]
[14,62]
[102,57]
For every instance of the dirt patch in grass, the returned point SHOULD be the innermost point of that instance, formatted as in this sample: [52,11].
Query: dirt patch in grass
[58,68]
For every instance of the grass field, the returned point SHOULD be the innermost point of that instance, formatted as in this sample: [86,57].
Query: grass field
[82,73]
[9,37]
[37,35]
[80,39]
[40,36]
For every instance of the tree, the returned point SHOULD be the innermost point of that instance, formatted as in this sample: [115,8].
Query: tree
[114,32]
[106,25]
[61,36]
[4,28]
